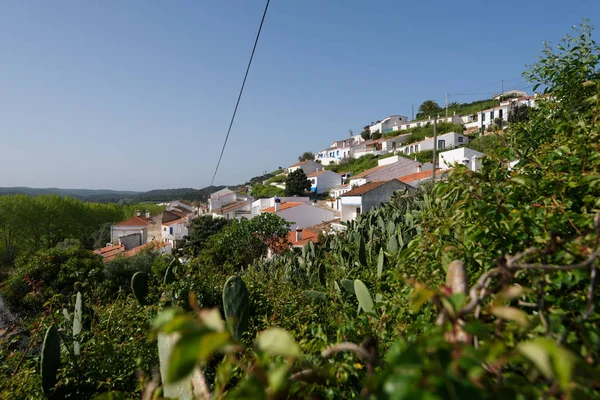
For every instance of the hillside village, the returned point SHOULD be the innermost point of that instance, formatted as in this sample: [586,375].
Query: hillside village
[334,197]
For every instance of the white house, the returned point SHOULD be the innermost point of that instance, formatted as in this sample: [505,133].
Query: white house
[391,144]
[361,199]
[260,204]
[231,205]
[462,155]
[373,147]
[132,232]
[299,213]
[174,231]
[322,180]
[387,124]
[307,166]
[184,207]
[334,196]
[221,198]
[445,141]
[387,168]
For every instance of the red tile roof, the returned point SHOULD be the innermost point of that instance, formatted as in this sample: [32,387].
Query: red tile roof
[175,221]
[299,163]
[133,221]
[359,191]
[154,245]
[109,252]
[417,176]
[284,206]
[317,173]
[307,236]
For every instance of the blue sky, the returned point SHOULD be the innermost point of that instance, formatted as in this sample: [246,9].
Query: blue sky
[137,95]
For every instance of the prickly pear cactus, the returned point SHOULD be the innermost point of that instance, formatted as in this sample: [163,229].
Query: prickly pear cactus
[236,302]
[50,361]
[139,286]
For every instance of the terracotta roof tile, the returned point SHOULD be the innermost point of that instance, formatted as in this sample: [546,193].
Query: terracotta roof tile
[307,236]
[359,191]
[133,221]
[299,163]
[284,206]
[317,173]
[230,207]
[175,221]
[416,176]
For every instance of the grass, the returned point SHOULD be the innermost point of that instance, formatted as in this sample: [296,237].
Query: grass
[355,165]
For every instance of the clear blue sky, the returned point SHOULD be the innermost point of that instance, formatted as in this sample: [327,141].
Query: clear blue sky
[138,94]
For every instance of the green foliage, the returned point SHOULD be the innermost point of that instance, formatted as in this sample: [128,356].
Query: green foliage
[51,273]
[202,229]
[488,144]
[355,165]
[425,156]
[419,133]
[50,360]
[277,178]
[236,306]
[307,155]
[429,108]
[260,191]
[296,183]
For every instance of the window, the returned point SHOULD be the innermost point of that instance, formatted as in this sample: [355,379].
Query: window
[171,230]
[482,117]
[492,116]
[441,144]
[357,210]
[460,139]
[165,229]
[500,113]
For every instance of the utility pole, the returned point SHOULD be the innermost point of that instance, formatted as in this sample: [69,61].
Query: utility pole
[502,89]
[446,104]
[434,146]
[412,115]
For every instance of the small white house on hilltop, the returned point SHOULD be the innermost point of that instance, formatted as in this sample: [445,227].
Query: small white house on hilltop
[387,124]
[446,141]
[463,155]
[387,168]
[362,199]
[260,204]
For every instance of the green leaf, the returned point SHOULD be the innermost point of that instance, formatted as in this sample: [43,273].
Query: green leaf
[511,314]
[511,292]
[184,357]
[380,262]
[419,296]
[278,342]
[348,285]
[364,297]
[212,319]
[551,359]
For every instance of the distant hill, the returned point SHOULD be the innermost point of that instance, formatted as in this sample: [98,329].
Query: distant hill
[97,195]
[116,196]
[161,195]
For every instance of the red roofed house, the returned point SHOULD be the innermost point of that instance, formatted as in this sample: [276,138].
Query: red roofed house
[300,214]
[133,231]
[372,194]
[300,237]
[415,179]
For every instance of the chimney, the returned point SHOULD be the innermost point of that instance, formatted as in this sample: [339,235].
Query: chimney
[298,234]
[277,203]
[138,213]
[147,214]
[314,202]
[419,168]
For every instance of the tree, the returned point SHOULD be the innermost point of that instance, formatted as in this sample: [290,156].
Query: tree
[307,155]
[296,183]
[203,228]
[376,135]
[429,107]
[518,113]
[366,132]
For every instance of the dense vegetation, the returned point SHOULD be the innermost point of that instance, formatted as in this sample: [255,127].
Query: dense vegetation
[460,108]
[481,286]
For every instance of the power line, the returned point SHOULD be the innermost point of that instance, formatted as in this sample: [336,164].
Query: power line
[241,91]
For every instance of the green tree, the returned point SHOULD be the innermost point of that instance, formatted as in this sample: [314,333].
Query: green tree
[203,228]
[518,113]
[307,155]
[366,132]
[296,183]
[376,135]
[429,107]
